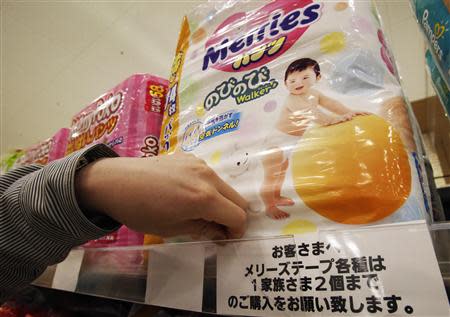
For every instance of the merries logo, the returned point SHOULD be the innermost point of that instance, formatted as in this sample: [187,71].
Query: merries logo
[248,40]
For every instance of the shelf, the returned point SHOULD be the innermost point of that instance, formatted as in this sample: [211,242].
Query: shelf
[123,273]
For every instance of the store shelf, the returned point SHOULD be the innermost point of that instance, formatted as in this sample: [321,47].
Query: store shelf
[101,272]
[440,234]
[122,273]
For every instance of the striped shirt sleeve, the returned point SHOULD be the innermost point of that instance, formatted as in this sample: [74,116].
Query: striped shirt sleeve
[40,220]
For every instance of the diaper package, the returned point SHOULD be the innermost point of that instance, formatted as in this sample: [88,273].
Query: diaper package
[121,238]
[127,118]
[46,151]
[441,88]
[298,106]
[433,18]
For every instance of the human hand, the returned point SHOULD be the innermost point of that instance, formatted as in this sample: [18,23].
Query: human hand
[166,195]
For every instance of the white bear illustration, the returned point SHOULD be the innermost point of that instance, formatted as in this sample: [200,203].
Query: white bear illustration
[241,172]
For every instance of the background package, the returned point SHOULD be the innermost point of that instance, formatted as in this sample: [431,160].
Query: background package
[46,151]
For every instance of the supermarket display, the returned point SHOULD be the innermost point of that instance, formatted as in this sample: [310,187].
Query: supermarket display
[46,151]
[302,116]
[433,18]
[298,106]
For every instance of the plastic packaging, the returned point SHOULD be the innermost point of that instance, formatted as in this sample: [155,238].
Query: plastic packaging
[47,150]
[120,238]
[433,18]
[298,106]
[127,118]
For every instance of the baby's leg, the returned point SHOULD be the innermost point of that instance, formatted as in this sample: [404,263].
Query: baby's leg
[273,163]
[281,176]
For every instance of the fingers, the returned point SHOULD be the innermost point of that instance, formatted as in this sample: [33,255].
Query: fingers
[228,192]
[224,212]
[219,203]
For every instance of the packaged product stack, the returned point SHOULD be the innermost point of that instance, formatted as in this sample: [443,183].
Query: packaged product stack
[127,118]
[46,151]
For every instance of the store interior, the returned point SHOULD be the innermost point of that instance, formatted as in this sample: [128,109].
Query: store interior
[59,56]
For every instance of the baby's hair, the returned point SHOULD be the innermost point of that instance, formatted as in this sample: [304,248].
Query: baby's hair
[302,64]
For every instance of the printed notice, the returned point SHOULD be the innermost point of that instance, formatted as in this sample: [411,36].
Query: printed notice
[382,271]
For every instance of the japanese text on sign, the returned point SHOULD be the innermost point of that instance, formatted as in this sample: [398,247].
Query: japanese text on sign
[301,272]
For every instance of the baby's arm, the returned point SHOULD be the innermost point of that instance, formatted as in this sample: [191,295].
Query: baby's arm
[323,118]
[295,117]
[333,105]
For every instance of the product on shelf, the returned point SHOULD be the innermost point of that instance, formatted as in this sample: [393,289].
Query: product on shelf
[439,84]
[298,106]
[9,160]
[41,302]
[46,151]
[433,18]
[119,238]
[128,119]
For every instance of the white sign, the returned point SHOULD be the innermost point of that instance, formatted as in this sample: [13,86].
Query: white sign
[175,276]
[382,271]
[66,274]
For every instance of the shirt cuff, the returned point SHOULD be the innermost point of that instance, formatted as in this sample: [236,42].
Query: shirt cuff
[56,214]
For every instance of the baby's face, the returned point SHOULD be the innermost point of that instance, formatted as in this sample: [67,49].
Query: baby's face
[300,82]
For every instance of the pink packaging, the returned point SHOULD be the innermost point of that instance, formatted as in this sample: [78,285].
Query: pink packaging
[46,151]
[121,238]
[127,118]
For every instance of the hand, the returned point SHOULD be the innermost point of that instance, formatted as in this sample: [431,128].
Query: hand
[166,195]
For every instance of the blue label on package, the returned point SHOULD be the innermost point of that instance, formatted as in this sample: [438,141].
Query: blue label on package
[433,17]
[221,124]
